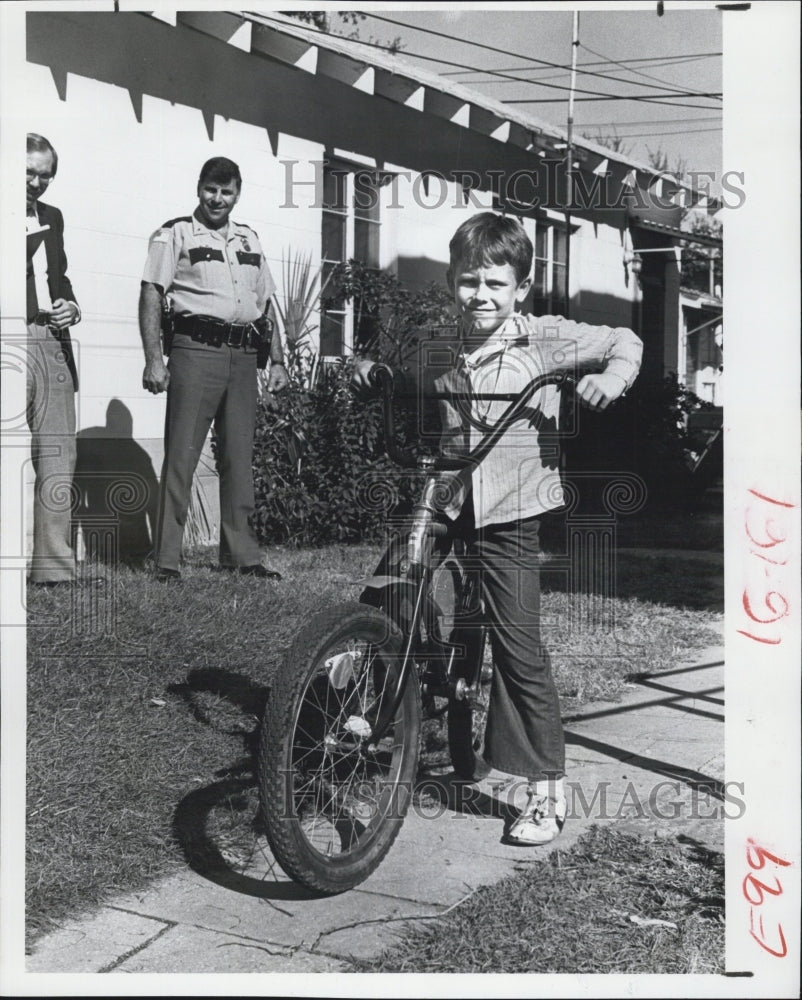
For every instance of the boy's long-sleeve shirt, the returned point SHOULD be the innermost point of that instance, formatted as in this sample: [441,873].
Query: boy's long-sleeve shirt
[519,477]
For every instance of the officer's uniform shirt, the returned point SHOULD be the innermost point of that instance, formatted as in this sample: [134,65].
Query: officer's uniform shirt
[207,274]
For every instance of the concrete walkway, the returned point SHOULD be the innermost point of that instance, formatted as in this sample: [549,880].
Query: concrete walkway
[653,762]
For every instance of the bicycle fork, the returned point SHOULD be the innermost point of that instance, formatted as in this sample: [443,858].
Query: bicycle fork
[415,566]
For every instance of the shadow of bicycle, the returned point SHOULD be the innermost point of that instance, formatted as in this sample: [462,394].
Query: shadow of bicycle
[218,827]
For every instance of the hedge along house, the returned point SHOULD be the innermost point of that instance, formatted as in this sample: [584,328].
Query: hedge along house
[345,151]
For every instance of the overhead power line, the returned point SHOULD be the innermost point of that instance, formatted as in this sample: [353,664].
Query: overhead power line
[655,60]
[652,135]
[493,48]
[656,121]
[648,98]
[628,70]
[653,98]
[535,69]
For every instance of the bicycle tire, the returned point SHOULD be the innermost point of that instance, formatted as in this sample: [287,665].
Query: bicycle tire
[466,729]
[332,804]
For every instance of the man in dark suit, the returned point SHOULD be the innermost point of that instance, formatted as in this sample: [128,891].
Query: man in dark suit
[52,378]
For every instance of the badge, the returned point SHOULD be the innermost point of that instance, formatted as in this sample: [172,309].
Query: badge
[246,245]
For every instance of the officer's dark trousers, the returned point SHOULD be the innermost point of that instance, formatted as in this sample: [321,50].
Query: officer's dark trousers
[209,384]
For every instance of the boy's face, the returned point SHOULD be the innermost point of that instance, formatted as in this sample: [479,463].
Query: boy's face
[487,296]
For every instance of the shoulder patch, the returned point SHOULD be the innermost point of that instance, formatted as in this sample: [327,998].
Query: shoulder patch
[172,222]
[249,228]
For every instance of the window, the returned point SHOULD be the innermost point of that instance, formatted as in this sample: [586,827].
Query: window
[350,229]
[549,286]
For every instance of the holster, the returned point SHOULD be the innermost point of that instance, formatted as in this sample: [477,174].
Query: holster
[264,325]
[168,328]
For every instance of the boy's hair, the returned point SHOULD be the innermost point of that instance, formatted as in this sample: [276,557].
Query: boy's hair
[38,144]
[221,170]
[487,239]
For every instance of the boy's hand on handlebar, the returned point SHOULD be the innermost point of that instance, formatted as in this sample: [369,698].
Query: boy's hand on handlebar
[362,385]
[599,390]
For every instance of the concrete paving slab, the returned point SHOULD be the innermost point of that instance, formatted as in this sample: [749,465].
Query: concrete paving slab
[92,944]
[297,921]
[442,861]
[185,949]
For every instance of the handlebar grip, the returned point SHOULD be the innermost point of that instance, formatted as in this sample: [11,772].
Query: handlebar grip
[378,374]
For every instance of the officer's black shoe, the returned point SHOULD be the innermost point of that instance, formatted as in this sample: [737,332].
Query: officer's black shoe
[165,575]
[261,571]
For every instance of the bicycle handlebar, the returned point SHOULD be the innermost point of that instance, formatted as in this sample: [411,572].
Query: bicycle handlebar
[381,376]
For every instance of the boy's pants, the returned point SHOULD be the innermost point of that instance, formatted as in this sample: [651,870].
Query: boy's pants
[524,734]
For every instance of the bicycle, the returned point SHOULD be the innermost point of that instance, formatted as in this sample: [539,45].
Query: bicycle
[339,743]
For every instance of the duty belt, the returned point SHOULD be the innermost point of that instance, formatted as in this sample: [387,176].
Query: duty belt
[216,332]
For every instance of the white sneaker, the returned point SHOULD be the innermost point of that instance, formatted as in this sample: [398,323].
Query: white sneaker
[541,820]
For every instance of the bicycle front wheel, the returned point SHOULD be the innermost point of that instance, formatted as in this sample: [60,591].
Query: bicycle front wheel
[334,799]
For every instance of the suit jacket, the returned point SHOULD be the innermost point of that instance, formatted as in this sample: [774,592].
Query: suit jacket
[57,281]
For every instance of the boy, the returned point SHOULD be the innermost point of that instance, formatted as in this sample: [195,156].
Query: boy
[496,505]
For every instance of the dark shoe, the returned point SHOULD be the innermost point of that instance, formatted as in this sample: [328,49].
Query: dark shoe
[261,571]
[165,575]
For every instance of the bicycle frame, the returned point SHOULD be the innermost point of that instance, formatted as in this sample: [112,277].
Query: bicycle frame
[416,565]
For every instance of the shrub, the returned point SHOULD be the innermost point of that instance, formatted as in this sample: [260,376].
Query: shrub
[387,312]
[320,472]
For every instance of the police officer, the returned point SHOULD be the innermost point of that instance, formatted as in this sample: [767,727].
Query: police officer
[212,273]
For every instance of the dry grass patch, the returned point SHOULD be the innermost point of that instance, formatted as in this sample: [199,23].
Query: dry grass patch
[613,903]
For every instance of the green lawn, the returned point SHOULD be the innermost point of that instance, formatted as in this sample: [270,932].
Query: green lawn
[144,708]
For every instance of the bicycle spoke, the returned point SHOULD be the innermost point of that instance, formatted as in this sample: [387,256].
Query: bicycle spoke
[338,783]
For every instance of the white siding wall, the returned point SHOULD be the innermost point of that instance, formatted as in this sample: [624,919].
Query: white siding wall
[600,287]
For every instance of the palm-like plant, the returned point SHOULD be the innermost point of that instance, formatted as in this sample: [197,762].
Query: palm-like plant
[297,309]
[301,291]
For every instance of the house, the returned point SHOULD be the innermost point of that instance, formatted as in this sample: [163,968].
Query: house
[702,344]
[345,151]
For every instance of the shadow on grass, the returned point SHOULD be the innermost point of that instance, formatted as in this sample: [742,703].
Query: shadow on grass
[670,557]
[246,866]
[705,905]
[218,827]
[241,692]
[693,581]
